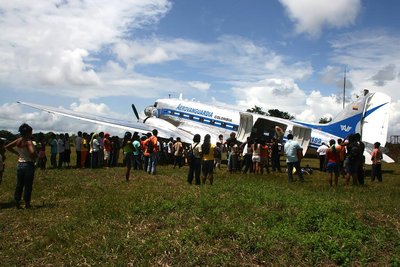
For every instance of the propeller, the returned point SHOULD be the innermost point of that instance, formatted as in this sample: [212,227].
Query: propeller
[135,111]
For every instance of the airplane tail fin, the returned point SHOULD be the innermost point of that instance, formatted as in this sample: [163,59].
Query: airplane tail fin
[375,123]
[368,115]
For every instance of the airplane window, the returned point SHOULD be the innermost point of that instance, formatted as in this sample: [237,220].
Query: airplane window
[155,104]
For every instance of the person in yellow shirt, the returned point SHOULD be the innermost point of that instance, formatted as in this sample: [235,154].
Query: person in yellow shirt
[208,160]
[84,149]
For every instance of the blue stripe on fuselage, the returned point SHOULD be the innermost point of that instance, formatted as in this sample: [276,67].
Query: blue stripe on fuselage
[198,119]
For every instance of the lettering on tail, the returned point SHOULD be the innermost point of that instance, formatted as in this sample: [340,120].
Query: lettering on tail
[345,128]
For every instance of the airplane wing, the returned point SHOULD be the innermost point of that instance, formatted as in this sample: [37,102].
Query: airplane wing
[165,129]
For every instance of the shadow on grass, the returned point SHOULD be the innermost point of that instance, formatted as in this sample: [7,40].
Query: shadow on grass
[7,205]
[12,205]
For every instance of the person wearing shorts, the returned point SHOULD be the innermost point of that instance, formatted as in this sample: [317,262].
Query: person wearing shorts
[332,160]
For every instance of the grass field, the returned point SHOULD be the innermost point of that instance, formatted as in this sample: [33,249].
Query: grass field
[94,217]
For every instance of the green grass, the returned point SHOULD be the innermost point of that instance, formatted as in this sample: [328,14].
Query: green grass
[95,217]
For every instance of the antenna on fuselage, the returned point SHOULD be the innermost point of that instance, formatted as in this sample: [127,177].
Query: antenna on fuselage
[180,96]
[344,87]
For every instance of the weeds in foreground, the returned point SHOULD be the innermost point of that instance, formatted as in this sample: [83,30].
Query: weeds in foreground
[95,217]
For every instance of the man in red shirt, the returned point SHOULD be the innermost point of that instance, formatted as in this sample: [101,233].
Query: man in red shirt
[152,149]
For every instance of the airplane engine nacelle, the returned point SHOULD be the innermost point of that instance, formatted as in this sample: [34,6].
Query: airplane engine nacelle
[151,111]
[168,129]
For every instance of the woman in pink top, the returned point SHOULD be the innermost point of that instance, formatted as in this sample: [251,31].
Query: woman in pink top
[332,160]
[25,150]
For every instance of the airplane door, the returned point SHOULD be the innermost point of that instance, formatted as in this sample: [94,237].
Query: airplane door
[245,126]
[302,136]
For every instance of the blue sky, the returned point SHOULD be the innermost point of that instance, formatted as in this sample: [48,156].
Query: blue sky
[102,56]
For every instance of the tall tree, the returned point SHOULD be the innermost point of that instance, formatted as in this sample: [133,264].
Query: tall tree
[325,120]
[280,114]
[257,110]
[272,112]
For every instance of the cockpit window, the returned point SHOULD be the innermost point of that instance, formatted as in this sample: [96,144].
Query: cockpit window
[155,104]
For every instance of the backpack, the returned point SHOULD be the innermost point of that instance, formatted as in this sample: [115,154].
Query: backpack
[190,152]
[217,152]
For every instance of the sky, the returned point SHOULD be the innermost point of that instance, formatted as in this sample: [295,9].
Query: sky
[101,56]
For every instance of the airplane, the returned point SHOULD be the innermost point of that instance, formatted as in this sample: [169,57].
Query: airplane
[176,117]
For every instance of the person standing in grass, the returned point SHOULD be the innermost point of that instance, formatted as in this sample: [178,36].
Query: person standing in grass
[94,150]
[332,162]
[376,157]
[195,160]
[218,155]
[208,160]
[256,158]
[41,149]
[145,149]
[61,150]
[153,151]
[67,151]
[23,147]
[264,156]
[127,149]
[247,155]
[107,150]
[84,149]
[275,156]
[115,149]
[178,151]
[341,152]
[293,151]
[322,155]
[78,144]
[100,157]
[352,160]
[53,151]
[137,152]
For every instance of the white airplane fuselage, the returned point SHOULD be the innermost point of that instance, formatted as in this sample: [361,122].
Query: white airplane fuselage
[368,115]
[208,119]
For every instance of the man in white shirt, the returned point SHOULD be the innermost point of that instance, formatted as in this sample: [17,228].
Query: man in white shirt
[321,155]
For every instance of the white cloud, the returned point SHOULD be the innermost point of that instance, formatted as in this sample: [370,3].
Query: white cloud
[51,43]
[282,94]
[199,85]
[371,57]
[285,95]
[388,73]
[310,16]
[319,106]
[367,54]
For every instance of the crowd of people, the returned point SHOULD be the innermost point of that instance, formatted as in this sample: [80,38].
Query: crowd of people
[145,152]
[346,158]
